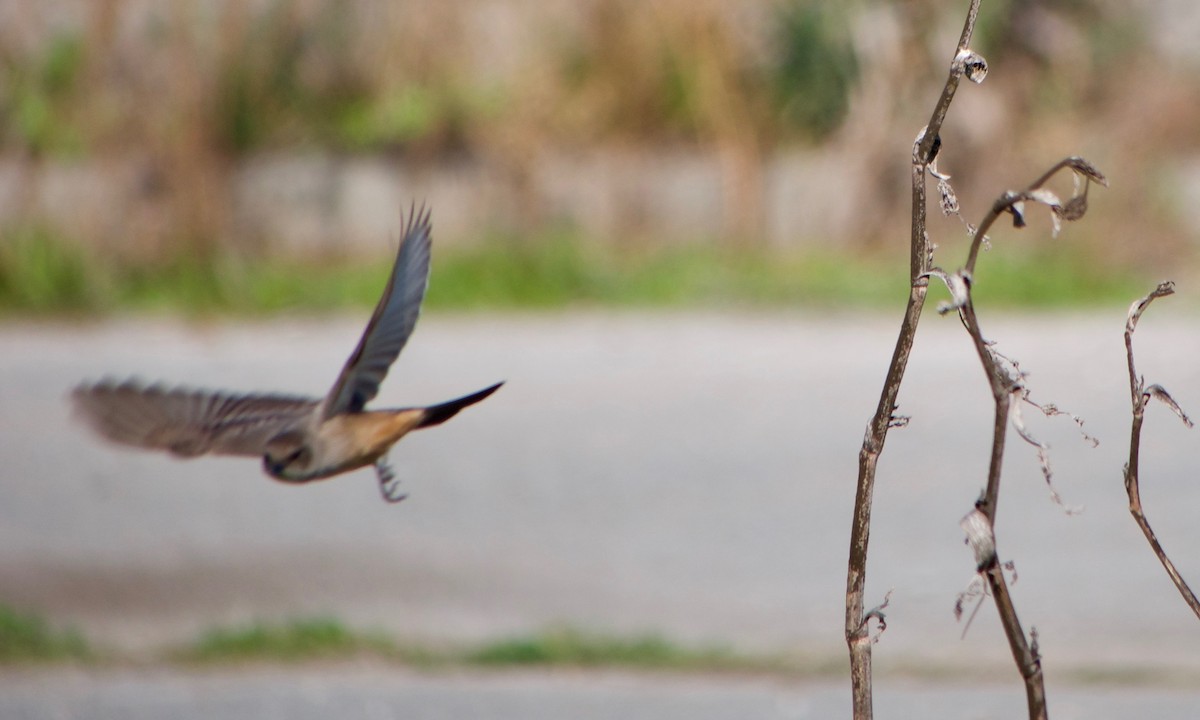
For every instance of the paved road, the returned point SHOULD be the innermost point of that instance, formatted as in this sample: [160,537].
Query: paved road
[369,693]
[690,474]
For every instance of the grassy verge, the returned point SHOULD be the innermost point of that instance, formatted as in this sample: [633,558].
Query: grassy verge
[27,638]
[41,274]
[567,647]
[326,639]
[294,642]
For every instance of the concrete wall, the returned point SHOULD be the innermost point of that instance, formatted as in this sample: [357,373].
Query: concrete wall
[320,202]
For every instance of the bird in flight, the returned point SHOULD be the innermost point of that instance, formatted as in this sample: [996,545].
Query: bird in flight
[300,439]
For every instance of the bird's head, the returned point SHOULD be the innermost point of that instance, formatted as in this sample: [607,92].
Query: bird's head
[288,458]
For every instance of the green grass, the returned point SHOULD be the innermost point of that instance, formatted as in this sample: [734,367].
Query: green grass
[26,638]
[560,271]
[292,642]
[43,274]
[568,647]
[327,639]
[1057,275]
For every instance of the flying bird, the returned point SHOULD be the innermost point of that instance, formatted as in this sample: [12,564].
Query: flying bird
[300,439]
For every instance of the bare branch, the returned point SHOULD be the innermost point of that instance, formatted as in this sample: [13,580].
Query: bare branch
[963,57]
[1006,381]
[1003,375]
[1165,288]
[1140,396]
[1013,201]
[1025,653]
[925,151]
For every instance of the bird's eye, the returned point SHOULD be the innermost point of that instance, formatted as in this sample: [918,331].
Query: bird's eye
[277,464]
[299,455]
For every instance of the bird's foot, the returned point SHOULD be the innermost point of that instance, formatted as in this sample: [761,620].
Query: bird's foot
[389,484]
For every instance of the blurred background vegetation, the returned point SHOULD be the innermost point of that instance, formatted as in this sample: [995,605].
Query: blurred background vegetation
[228,156]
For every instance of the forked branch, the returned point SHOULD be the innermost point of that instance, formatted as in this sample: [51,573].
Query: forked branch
[1140,396]
[1007,386]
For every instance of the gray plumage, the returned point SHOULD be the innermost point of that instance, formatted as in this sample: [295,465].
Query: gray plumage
[189,422]
[391,324]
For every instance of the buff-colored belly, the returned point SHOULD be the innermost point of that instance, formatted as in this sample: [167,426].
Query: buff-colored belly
[355,440]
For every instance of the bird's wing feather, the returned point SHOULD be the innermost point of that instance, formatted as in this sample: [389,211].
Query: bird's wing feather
[189,422]
[390,326]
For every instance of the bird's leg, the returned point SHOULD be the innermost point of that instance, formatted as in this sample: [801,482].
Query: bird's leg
[388,483]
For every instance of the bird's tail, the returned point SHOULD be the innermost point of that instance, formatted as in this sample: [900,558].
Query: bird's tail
[438,414]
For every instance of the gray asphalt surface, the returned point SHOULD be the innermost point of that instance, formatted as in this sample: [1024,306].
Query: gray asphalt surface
[687,474]
[366,693]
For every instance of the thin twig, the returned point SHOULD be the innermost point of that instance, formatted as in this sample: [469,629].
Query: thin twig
[1140,395]
[1011,202]
[858,638]
[1007,385]
[1028,663]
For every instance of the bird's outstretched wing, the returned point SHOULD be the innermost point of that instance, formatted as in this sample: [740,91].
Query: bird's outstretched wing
[188,422]
[390,326]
